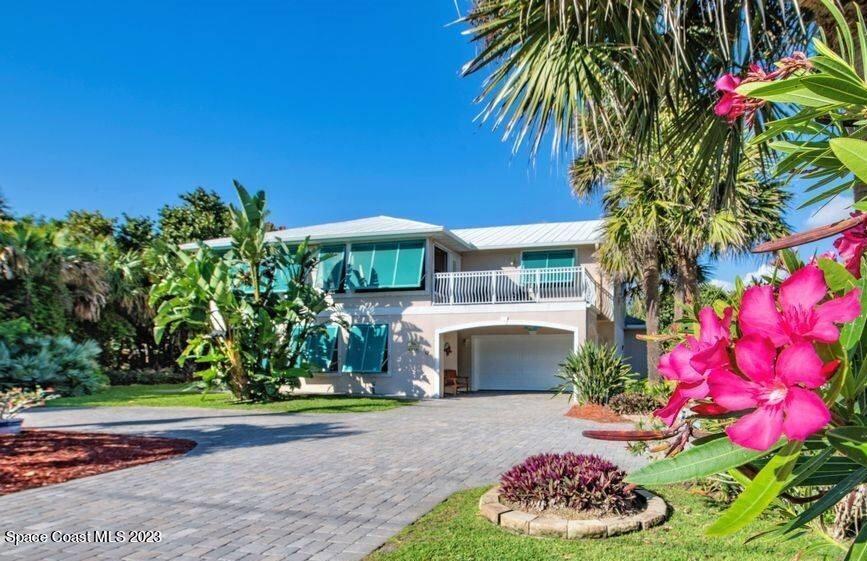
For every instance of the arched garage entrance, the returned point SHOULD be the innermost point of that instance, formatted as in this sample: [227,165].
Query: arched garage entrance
[506,356]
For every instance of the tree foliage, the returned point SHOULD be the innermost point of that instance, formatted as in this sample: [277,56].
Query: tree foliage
[249,312]
[201,216]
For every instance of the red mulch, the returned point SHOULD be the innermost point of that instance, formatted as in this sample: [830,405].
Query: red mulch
[593,412]
[35,458]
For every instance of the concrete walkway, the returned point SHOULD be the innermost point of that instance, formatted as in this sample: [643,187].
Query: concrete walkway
[269,487]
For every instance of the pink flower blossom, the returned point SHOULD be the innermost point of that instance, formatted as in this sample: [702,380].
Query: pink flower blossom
[730,104]
[733,105]
[799,316]
[851,245]
[779,388]
[689,363]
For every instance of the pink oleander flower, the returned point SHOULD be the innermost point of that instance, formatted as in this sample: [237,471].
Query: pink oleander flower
[779,388]
[797,314]
[733,105]
[690,362]
[730,104]
[851,245]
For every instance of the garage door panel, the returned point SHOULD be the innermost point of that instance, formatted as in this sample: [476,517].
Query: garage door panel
[518,362]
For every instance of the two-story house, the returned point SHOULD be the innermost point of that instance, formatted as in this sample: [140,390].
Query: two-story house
[501,305]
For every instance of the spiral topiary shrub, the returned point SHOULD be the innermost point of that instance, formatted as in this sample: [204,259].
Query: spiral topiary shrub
[634,403]
[568,481]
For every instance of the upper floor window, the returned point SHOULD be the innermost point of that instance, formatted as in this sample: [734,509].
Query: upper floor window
[332,267]
[548,259]
[386,265]
[534,260]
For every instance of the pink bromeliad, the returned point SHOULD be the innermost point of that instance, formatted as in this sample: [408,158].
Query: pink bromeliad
[799,315]
[778,387]
[691,361]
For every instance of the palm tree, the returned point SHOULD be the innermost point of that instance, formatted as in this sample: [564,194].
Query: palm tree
[659,220]
[608,78]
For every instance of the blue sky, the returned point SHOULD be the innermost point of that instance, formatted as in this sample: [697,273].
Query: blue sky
[342,113]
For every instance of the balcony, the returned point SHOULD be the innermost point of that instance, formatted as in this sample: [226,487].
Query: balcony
[520,286]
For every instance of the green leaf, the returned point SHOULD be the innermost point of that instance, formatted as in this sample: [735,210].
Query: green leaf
[851,333]
[836,275]
[828,500]
[700,461]
[858,550]
[789,90]
[836,89]
[761,491]
[852,152]
[850,441]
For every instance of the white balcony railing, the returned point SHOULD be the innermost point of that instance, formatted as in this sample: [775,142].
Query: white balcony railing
[519,286]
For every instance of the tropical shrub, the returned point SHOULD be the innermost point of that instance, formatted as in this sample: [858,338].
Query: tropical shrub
[249,311]
[56,362]
[573,481]
[633,403]
[16,400]
[594,373]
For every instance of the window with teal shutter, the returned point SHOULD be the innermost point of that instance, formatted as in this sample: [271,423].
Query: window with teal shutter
[367,350]
[531,260]
[331,267]
[320,349]
[386,265]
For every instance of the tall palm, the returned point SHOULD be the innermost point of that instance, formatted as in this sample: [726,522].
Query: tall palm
[633,241]
[658,219]
[602,77]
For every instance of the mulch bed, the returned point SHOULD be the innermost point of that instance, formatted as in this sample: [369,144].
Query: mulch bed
[35,458]
[593,412]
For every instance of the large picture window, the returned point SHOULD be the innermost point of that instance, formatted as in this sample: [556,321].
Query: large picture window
[386,265]
[367,350]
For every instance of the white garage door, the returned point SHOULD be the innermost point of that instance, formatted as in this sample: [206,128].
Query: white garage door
[518,362]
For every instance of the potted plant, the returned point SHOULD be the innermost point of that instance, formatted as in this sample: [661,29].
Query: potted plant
[16,400]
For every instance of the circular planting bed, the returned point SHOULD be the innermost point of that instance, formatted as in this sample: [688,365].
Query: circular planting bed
[653,513]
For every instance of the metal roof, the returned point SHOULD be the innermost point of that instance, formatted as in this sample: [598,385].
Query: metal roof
[533,235]
[373,227]
[497,237]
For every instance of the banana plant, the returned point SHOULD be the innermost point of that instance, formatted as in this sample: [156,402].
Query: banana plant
[248,311]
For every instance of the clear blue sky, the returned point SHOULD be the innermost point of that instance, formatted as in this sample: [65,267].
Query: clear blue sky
[338,113]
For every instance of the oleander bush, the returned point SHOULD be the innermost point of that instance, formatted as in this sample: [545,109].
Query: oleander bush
[634,403]
[568,481]
[594,373]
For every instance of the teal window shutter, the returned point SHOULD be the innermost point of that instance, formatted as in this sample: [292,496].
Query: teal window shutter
[410,263]
[385,265]
[361,262]
[319,349]
[331,267]
[366,352]
[547,260]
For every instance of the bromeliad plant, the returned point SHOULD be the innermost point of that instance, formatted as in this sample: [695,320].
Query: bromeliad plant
[773,390]
[250,312]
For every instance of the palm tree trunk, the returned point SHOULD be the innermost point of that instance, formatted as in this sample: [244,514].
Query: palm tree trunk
[687,275]
[859,191]
[651,294]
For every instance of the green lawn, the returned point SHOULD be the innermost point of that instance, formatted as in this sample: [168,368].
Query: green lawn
[173,395]
[454,531]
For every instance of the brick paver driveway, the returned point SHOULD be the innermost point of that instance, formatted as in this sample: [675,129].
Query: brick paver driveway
[273,486]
